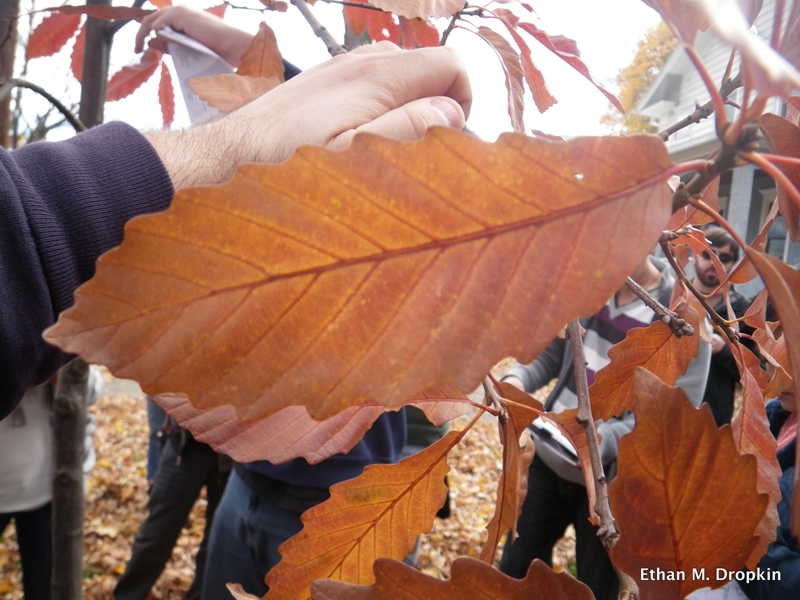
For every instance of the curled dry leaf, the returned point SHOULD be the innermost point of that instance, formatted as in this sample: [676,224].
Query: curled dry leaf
[262,58]
[512,68]
[784,138]
[230,91]
[752,435]
[288,285]
[655,348]
[469,579]
[378,514]
[680,482]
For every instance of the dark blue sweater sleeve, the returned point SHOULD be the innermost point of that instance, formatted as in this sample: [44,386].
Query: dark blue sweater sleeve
[63,204]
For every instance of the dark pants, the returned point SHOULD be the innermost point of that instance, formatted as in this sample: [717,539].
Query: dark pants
[35,540]
[551,504]
[176,486]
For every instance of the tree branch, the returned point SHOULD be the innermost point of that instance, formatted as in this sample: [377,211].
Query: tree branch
[334,48]
[10,84]
[679,326]
[705,111]
[115,26]
[608,528]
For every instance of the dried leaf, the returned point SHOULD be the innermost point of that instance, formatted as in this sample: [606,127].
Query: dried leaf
[752,435]
[378,514]
[237,591]
[469,579]
[166,96]
[161,3]
[130,78]
[277,5]
[289,284]
[262,58]
[784,138]
[422,9]
[680,479]
[51,35]
[775,353]
[108,13]
[355,18]
[567,50]
[416,33]
[541,95]
[657,349]
[218,11]
[230,91]
[76,58]
[512,68]
[381,26]
[689,215]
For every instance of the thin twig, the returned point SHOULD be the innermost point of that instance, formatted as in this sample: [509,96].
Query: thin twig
[774,172]
[607,533]
[702,112]
[10,84]
[679,326]
[716,98]
[114,26]
[450,26]
[334,48]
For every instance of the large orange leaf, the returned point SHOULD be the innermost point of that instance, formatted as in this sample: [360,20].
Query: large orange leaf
[512,68]
[783,138]
[130,77]
[378,514]
[51,35]
[684,498]
[292,433]
[229,91]
[262,58]
[469,578]
[422,9]
[369,275]
[752,435]
[657,349]
[515,465]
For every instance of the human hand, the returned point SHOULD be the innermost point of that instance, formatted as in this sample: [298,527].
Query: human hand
[379,89]
[229,42]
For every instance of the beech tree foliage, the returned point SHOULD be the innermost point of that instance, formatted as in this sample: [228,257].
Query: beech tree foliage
[257,323]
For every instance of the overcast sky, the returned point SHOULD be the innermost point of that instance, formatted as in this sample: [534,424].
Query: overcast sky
[606,33]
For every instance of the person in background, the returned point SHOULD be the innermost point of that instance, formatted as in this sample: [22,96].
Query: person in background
[723,374]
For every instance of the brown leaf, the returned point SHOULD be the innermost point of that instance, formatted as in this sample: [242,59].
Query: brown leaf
[378,514]
[381,26]
[289,284]
[416,33]
[470,578]
[51,35]
[422,9]
[752,435]
[230,91]
[784,138]
[680,480]
[775,353]
[108,13]
[541,95]
[76,58]
[129,78]
[689,215]
[512,68]
[218,11]
[657,349]
[166,96]
[277,5]
[262,58]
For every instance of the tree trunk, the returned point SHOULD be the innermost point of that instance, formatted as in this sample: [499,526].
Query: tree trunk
[9,10]
[99,36]
[69,431]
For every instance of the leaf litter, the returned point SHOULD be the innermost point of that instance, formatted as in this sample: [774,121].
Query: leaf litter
[116,504]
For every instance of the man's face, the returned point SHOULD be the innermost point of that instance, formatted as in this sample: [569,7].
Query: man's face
[704,268]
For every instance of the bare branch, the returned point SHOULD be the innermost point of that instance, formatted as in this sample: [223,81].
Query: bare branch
[334,48]
[705,111]
[679,326]
[10,84]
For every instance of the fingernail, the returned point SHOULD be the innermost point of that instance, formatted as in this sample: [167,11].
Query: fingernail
[454,116]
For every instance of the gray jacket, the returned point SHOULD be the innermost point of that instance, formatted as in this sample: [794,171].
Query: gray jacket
[556,362]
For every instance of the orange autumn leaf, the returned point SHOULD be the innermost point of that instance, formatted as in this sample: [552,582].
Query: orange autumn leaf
[229,91]
[469,578]
[657,349]
[51,35]
[512,68]
[289,284]
[262,58]
[291,432]
[417,33]
[422,9]
[515,464]
[752,435]
[689,215]
[783,138]
[130,77]
[166,96]
[378,514]
[108,13]
[78,51]
[679,482]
